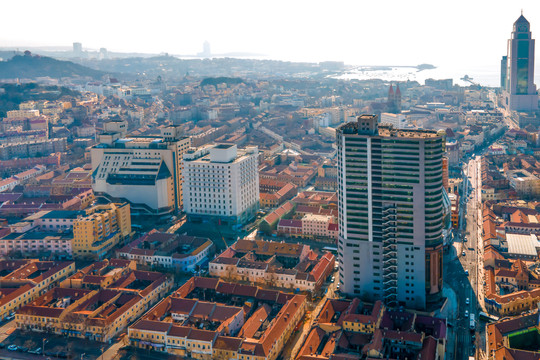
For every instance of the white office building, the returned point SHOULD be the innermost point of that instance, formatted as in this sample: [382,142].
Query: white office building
[398,121]
[146,171]
[221,182]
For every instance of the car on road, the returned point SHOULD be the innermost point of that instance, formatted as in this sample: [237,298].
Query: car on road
[35,351]
[463,253]
[465,239]
[466,313]
[466,272]
[13,347]
[467,302]
[337,287]
[332,279]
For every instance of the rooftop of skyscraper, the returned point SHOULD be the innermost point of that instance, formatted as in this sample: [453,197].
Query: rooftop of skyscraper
[388,130]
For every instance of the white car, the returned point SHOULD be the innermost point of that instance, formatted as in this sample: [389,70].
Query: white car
[467,302]
[466,313]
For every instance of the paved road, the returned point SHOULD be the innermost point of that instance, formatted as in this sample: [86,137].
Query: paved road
[294,345]
[468,259]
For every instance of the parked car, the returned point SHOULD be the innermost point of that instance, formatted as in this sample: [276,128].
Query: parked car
[35,351]
[13,347]
[463,253]
[467,272]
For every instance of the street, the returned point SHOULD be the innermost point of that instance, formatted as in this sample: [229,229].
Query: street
[464,272]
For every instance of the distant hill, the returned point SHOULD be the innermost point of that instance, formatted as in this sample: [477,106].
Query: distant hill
[29,66]
[221,80]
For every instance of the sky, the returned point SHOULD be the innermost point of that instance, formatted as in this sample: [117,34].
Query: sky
[383,32]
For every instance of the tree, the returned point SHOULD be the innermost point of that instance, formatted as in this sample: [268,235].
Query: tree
[29,344]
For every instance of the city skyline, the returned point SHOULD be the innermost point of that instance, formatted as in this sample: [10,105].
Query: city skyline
[342,33]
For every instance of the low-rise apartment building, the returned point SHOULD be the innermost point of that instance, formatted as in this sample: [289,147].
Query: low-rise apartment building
[525,183]
[232,321]
[275,264]
[510,338]
[105,298]
[274,193]
[24,280]
[352,329]
[180,252]
[37,243]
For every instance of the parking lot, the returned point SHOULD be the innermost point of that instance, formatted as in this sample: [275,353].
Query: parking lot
[131,353]
[56,346]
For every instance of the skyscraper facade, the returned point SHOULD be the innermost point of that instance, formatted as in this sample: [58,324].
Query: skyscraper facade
[519,90]
[390,185]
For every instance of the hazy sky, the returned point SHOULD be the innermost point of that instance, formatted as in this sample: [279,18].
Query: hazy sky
[459,33]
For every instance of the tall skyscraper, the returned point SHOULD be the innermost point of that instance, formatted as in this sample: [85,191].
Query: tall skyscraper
[390,213]
[519,90]
[77,48]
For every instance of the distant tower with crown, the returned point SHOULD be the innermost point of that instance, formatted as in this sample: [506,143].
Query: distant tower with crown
[519,90]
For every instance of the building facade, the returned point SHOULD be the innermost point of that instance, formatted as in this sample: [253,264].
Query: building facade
[519,90]
[98,232]
[221,181]
[390,213]
[145,170]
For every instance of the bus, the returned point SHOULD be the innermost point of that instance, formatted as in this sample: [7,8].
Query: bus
[330,249]
[486,317]
[472,324]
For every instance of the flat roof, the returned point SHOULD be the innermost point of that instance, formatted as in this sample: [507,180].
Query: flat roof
[223,146]
[62,214]
[522,244]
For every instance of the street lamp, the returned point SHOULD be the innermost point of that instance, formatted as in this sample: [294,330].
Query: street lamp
[43,346]
[82,355]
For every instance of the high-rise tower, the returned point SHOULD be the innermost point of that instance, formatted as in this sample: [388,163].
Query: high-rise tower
[390,213]
[519,90]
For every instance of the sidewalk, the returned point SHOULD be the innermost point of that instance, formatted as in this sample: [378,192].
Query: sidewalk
[449,311]
[112,351]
